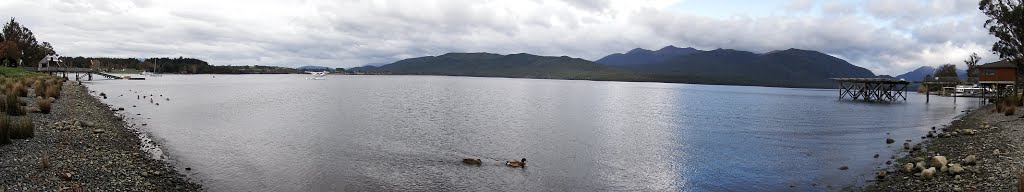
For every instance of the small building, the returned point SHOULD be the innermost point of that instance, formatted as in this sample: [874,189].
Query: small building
[999,75]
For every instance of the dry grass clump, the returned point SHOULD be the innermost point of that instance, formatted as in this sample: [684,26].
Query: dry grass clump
[12,106]
[44,105]
[53,91]
[39,88]
[1010,110]
[5,136]
[21,128]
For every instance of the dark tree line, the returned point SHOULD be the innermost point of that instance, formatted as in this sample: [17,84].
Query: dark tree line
[180,65]
[19,46]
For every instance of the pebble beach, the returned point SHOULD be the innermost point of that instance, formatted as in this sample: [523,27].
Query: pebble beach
[85,145]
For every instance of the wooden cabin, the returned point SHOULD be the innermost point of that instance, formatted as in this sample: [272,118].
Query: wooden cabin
[997,73]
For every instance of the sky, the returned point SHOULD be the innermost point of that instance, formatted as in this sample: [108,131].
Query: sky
[888,37]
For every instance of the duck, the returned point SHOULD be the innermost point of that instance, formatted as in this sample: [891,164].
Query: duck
[514,163]
[472,161]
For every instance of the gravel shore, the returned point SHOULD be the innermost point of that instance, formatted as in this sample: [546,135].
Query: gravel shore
[994,139]
[82,145]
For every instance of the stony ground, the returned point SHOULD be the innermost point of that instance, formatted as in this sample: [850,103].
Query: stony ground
[84,146]
[996,141]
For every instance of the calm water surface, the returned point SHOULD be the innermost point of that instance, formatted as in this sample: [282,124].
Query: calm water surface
[356,133]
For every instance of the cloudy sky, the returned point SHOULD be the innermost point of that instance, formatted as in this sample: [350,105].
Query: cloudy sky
[885,36]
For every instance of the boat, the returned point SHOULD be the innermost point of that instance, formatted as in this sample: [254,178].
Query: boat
[318,75]
[970,91]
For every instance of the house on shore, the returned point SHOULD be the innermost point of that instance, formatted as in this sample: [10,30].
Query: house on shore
[999,75]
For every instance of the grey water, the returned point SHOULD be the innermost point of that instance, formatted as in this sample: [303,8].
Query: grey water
[410,133]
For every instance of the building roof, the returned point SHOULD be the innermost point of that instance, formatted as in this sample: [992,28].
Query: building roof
[998,64]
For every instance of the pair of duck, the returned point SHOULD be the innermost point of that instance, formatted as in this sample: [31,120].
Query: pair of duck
[510,163]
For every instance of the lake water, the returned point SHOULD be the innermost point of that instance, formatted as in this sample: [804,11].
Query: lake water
[409,133]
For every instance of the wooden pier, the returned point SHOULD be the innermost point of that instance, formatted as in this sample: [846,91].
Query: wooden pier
[78,72]
[872,89]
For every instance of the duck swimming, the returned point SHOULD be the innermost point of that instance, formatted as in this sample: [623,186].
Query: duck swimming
[514,163]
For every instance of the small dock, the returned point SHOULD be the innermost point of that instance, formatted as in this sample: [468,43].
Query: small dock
[78,72]
[872,89]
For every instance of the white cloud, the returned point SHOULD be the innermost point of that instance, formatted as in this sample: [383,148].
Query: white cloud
[888,37]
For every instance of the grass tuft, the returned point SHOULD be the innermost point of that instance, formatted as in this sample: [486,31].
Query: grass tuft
[22,126]
[44,105]
[1010,110]
[12,105]
[5,131]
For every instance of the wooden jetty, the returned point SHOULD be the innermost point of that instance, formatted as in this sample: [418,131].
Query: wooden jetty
[78,72]
[872,89]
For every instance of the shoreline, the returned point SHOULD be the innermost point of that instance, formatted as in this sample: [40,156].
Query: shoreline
[994,139]
[84,145]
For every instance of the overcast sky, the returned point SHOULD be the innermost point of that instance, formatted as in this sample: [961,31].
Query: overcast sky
[885,36]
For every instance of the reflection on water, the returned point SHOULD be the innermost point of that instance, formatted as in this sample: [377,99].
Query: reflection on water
[284,133]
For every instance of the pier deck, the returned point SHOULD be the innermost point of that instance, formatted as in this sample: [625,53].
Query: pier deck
[872,89]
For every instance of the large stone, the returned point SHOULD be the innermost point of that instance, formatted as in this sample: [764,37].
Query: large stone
[971,160]
[881,175]
[908,168]
[938,161]
[943,169]
[928,173]
[955,169]
[889,140]
[920,165]
[906,145]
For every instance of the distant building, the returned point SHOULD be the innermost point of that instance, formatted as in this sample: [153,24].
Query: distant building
[997,73]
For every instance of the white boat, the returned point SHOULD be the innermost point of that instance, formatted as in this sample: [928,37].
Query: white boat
[151,74]
[970,91]
[318,75]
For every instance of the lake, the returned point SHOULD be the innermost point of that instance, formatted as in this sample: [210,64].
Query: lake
[410,133]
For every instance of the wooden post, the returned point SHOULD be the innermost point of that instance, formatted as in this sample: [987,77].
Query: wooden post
[927,90]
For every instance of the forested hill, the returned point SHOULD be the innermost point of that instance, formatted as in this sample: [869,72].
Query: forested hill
[180,65]
[495,65]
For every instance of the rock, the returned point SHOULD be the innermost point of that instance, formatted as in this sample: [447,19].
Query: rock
[888,162]
[995,151]
[930,135]
[65,176]
[971,160]
[876,155]
[844,168]
[881,174]
[889,140]
[920,166]
[957,188]
[955,169]
[98,131]
[916,147]
[120,108]
[908,168]
[938,161]
[77,123]
[928,173]
[906,145]
[943,169]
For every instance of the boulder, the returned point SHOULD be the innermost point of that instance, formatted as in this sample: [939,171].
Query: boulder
[955,169]
[943,169]
[928,173]
[938,161]
[881,174]
[920,165]
[906,145]
[908,168]
[971,160]
[889,140]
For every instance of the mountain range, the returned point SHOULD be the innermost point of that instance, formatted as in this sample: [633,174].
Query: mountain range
[919,73]
[782,68]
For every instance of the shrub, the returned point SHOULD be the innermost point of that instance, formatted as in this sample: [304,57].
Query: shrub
[22,126]
[44,105]
[53,91]
[39,88]
[5,132]
[12,106]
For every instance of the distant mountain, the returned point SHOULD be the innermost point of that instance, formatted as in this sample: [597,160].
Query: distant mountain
[919,73]
[309,67]
[643,56]
[495,65]
[785,68]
